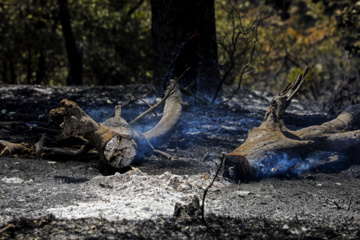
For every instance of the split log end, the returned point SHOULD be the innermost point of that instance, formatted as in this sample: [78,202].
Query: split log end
[119,151]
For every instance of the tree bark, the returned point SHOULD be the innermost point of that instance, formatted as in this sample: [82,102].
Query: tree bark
[185,28]
[73,51]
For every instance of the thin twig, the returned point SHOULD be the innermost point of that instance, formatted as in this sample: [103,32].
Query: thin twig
[349,204]
[187,92]
[171,91]
[239,32]
[130,12]
[163,154]
[150,109]
[7,227]
[253,51]
[207,189]
[129,90]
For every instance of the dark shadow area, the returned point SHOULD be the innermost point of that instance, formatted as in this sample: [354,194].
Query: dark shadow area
[178,228]
[70,180]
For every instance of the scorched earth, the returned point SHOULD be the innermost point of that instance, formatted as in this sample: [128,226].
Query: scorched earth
[64,198]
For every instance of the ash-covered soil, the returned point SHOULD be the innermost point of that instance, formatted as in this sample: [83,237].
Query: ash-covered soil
[156,199]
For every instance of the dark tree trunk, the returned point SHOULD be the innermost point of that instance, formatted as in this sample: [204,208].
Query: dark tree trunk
[73,51]
[41,69]
[29,66]
[13,78]
[4,72]
[184,36]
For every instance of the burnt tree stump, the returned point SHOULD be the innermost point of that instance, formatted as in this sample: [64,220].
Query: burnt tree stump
[273,140]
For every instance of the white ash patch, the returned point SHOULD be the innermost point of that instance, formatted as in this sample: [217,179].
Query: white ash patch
[136,195]
[13,180]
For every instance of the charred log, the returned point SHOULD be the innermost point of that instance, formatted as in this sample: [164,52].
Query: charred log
[273,142]
[115,141]
[117,149]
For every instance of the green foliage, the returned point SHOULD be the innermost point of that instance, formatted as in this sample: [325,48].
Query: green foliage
[116,37]
[315,35]
[113,40]
[32,48]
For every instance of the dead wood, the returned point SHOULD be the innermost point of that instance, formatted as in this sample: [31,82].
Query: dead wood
[173,88]
[115,148]
[115,141]
[187,92]
[272,137]
[171,116]
[39,146]
[8,148]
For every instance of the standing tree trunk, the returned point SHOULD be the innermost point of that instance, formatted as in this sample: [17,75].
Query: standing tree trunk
[13,77]
[4,72]
[29,66]
[73,51]
[40,74]
[187,28]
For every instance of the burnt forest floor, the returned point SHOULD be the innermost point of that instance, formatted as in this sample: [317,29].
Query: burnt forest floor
[64,198]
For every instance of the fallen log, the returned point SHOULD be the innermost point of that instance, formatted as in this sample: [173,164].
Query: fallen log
[115,141]
[272,149]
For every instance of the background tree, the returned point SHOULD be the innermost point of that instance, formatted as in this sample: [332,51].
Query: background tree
[314,34]
[187,28]
[115,37]
[74,50]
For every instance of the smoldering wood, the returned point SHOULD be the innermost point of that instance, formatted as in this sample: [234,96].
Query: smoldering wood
[115,140]
[273,137]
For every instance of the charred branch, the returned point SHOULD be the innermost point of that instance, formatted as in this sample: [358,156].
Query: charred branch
[8,148]
[272,141]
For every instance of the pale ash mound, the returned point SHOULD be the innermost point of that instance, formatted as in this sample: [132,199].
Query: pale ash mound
[136,195]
